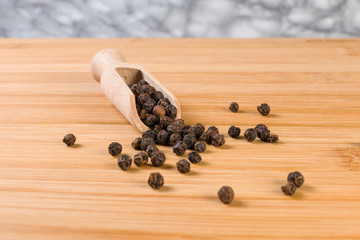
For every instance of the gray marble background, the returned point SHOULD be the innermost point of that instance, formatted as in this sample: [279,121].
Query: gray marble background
[179,18]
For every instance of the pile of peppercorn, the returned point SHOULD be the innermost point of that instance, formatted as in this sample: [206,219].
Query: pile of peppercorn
[156,112]
[159,115]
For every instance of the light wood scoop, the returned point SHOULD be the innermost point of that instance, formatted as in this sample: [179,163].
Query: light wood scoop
[109,68]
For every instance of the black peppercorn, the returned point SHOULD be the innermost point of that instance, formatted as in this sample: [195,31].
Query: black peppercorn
[174,139]
[136,89]
[158,159]
[156,180]
[180,148]
[157,128]
[151,120]
[143,82]
[176,126]
[140,159]
[199,129]
[171,111]
[114,148]
[146,142]
[143,98]
[217,139]
[263,133]
[289,189]
[264,109]
[163,137]
[250,134]
[206,136]
[159,111]
[259,126]
[296,178]
[149,105]
[188,130]
[148,89]
[234,107]
[190,140]
[226,194]
[143,114]
[200,146]
[183,166]
[157,96]
[163,102]
[151,149]
[149,134]
[194,157]
[272,139]
[136,144]
[165,121]
[213,128]
[69,139]
[234,132]
[124,162]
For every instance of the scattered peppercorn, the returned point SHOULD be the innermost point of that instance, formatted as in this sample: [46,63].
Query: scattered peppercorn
[194,157]
[149,134]
[165,121]
[264,109]
[136,144]
[158,159]
[226,194]
[179,148]
[234,132]
[272,139]
[259,126]
[114,148]
[69,139]
[151,149]
[217,139]
[183,166]
[296,178]
[163,137]
[200,146]
[289,189]
[140,159]
[213,128]
[156,180]
[146,142]
[174,139]
[190,140]
[250,134]
[263,133]
[157,128]
[124,162]
[234,107]
[206,136]
[176,126]
[159,111]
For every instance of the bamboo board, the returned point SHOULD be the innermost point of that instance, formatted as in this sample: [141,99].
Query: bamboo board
[50,191]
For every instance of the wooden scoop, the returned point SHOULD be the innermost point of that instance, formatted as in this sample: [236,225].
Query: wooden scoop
[109,68]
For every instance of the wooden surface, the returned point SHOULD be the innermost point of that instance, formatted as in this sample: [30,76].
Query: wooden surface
[50,191]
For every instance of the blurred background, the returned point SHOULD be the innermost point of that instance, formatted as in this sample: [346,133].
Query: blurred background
[179,18]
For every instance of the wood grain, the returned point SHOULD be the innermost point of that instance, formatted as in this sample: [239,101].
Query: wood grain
[50,191]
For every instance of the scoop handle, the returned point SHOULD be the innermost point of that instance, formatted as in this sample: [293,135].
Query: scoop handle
[104,60]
